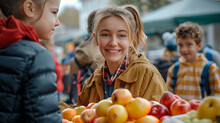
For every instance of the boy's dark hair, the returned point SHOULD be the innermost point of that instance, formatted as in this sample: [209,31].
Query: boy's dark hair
[189,30]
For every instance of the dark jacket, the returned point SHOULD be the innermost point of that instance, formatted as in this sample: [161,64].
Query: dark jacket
[163,65]
[28,85]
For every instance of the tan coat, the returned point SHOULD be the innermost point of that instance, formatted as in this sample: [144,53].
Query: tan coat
[141,78]
[84,55]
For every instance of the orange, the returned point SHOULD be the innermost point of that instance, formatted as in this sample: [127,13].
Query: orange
[130,121]
[121,96]
[138,107]
[147,119]
[68,113]
[77,119]
[102,107]
[117,114]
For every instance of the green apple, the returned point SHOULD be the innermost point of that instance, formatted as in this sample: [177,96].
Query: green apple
[192,114]
[202,121]
[209,108]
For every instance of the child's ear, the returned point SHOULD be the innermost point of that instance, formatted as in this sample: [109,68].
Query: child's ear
[200,46]
[96,41]
[29,8]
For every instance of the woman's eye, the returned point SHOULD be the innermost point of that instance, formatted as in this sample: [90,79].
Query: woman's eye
[104,34]
[122,35]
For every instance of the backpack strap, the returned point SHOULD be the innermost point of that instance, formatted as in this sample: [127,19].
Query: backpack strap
[204,85]
[208,54]
[175,71]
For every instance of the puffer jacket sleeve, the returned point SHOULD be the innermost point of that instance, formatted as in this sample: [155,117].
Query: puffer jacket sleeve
[40,96]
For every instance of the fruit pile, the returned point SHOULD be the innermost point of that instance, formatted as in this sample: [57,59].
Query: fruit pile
[194,111]
[123,108]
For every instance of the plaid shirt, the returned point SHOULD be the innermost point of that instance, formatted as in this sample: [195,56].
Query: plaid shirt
[189,77]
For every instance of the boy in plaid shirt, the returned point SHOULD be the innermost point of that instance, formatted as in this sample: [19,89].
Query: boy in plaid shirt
[188,36]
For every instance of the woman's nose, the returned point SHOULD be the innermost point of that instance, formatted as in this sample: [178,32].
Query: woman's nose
[113,41]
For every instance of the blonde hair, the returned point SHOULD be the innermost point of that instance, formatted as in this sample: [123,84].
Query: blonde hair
[131,17]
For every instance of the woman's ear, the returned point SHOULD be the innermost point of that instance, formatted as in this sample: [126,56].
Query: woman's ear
[29,8]
[96,41]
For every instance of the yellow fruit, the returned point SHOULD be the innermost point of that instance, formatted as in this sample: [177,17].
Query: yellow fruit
[102,119]
[148,119]
[117,114]
[121,96]
[88,116]
[138,107]
[94,106]
[68,113]
[102,107]
[80,109]
[209,108]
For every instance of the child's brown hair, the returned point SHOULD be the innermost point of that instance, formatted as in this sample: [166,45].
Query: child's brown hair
[189,30]
[14,7]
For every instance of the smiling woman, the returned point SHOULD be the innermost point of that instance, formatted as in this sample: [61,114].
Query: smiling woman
[117,33]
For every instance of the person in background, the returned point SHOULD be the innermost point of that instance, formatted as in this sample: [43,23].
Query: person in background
[66,78]
[189,36]
[66,70]
[117,33]
[27,71]
[84,54]
[211,54]
[82,65]
[169,56]
[70,49]
[50,46]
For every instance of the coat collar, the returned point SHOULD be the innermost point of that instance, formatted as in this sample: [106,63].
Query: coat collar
[128,76]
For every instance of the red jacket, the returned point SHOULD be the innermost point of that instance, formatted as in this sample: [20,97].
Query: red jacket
[59,73]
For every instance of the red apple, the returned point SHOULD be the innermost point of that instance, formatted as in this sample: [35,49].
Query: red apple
[167,98]
[88,116]
[194,103]
[159,110]
[179,106]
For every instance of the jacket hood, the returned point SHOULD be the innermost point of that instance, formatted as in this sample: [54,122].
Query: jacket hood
[13,30]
